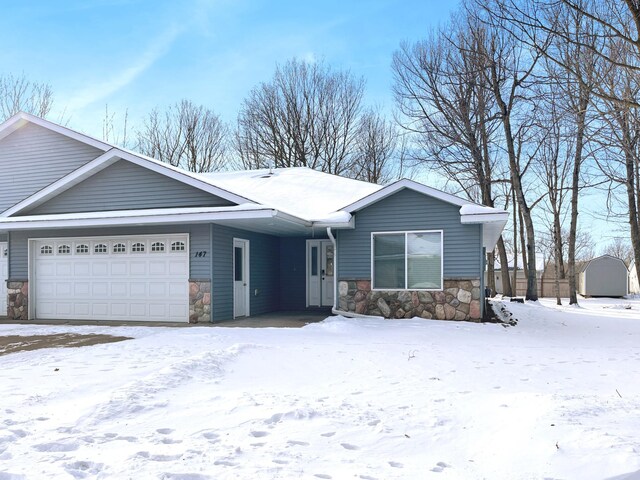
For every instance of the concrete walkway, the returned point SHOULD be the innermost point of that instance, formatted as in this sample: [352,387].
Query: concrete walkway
[283,319]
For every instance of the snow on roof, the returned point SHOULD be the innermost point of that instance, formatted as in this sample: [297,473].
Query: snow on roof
[298,191]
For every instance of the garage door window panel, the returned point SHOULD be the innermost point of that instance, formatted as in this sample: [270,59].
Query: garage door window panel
[119,248]
[82,249]
[138,247]
[100,248]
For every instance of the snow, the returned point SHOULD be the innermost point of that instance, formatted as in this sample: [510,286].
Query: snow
[475,209]
[298,191]
[556,396]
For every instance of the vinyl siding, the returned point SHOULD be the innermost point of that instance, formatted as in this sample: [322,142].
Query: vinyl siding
[264,275]
[200,267]
[123,186]
[409,210]
[33,157]
[293,273]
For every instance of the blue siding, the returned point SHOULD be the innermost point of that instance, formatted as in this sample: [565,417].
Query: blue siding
[264,261]
[293,274]
[33,157]
[410,210]
[200,267]
[123,186]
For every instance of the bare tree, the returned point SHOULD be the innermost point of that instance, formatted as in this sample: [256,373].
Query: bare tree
[447,106]
[620,248]
[376,145]
[185,135]
[17,93]
[307,115]
[111,133]
[606,34]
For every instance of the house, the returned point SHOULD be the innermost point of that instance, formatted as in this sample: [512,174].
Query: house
[604,276]
[634,283]
[92,231]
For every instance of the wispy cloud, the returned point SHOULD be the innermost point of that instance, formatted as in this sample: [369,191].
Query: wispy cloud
[123,77]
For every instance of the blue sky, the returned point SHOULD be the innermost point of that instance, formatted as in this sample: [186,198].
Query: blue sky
[138,54]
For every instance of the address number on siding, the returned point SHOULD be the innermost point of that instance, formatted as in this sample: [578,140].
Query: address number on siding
[201,253]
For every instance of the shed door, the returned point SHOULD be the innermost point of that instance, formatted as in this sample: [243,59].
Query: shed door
[137,278]
[4,272]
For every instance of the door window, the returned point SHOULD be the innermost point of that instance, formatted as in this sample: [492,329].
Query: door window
[238,264]
[314,261]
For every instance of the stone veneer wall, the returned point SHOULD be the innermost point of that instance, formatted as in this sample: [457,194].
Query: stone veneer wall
[18,300]
[460,300]
[199,301]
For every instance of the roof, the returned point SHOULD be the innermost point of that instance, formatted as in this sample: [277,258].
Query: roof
[583,266]
[303,196]
[299,191]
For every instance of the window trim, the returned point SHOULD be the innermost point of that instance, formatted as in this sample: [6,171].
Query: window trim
[406,270]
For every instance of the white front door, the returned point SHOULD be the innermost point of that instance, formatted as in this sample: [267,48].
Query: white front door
[4,273]
[320,272]
[240,278]
[140,278]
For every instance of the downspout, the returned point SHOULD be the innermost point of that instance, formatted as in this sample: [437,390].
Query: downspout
[335,309]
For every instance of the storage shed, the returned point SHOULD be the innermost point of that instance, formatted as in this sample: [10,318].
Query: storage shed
[604,276]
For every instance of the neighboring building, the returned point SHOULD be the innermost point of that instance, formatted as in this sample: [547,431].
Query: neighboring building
[604,276]
[90,231]
[634,283]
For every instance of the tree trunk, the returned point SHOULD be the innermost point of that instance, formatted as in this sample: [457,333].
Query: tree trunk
[504,268]
[575,186]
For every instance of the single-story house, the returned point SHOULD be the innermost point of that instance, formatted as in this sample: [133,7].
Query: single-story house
[604,276]
[92,231]
[634,281]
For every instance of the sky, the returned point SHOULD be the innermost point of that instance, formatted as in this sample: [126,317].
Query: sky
[137,54]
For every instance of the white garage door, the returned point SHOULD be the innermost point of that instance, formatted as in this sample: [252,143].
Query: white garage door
[3,278]
[141,278]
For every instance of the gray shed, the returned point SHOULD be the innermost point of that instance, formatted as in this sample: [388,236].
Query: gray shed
[604,276]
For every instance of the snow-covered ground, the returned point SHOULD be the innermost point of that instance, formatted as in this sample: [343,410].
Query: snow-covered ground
[556,397]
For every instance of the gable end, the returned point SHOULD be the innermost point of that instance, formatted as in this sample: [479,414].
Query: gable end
[126,186]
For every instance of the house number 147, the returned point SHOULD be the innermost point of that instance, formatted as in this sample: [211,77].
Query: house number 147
[201,253]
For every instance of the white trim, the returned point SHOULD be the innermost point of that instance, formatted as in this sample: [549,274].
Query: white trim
[399,185]
[406,270]
[20,119]
[147,217]
[109,158]
[484,218]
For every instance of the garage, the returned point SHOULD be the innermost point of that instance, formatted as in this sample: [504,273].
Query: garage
[126,278]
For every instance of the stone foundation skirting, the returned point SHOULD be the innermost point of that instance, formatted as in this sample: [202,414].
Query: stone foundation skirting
[460,300]
[18,300]
[199,301]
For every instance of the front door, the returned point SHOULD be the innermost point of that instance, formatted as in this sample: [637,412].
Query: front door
[240,278]
[4,264]
[320,273]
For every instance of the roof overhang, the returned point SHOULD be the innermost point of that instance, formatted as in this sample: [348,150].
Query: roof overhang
[249,217]
[492,224]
